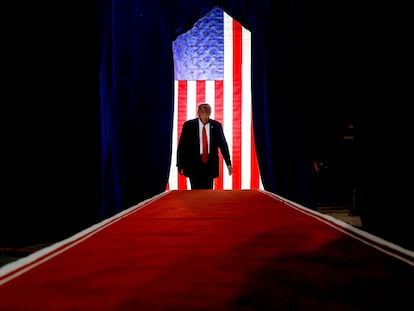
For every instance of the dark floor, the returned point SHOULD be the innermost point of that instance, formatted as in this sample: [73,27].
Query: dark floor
[8,255]
[342,213]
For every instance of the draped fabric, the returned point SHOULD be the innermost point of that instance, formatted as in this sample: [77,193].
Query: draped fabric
[212,64]
[137,90]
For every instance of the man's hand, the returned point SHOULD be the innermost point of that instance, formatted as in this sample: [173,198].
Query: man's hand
[230,168]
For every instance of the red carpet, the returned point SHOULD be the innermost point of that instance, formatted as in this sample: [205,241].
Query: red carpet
[238,250]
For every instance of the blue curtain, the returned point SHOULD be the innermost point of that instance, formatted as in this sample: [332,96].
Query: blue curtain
[88,95]
[136,95]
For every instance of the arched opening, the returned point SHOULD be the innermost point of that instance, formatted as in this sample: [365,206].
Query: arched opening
[212,63]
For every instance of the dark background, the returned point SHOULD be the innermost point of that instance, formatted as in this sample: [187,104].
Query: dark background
[51,167]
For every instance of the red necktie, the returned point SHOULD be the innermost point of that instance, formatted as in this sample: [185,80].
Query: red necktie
[204,156]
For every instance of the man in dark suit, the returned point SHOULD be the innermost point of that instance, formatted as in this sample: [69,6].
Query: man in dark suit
[190,160]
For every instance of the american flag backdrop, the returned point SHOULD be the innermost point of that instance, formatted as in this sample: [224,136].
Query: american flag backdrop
[212,64]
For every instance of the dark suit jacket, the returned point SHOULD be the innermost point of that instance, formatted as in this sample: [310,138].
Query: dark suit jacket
[188,150]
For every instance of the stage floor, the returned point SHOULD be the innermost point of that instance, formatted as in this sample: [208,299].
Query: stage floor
[10,254]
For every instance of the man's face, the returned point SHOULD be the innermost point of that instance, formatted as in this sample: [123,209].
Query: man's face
[204,112]
[204,116]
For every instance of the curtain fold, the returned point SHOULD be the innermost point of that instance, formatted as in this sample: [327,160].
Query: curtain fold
[137,94]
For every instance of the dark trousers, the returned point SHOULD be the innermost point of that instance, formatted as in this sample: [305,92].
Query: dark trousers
[202,179]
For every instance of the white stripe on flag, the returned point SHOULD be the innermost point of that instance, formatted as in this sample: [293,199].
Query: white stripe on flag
[173,179]
[247,113]
[191,100]
[228,93]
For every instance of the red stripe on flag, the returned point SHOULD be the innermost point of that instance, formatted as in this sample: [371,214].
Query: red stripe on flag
[181,118]
[200,92]
[237,104]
